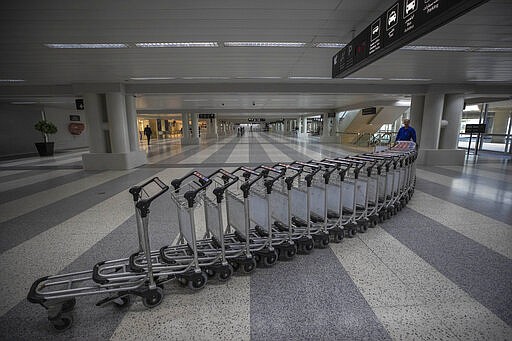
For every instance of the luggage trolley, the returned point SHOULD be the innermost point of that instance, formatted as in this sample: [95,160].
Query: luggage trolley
[308,204]
[237,248]
[285,207]
[261,212]
[354,197]
[321,193]
[371,188]
[58,293]
[384,186]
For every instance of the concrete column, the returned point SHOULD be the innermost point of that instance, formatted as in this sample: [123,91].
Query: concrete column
[116,112]
[325,125]
[453,106]
[117,155]
[95,111]
[431,124]
[185,126]
[195,125]
[429,154]
[131,118]
[305,125]
[416,114]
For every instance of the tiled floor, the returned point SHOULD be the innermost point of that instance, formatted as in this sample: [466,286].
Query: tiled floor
[440,269]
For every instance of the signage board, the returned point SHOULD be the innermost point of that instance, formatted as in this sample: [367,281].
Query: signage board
[475,129]
[331,114]
[206,116]
[79,104]
[369,111]
[74,117]
[402,23]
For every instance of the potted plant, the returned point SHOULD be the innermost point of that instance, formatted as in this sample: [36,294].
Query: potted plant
[45,148]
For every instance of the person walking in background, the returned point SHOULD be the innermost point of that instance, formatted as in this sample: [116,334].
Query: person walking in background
[148,132]
[406,133]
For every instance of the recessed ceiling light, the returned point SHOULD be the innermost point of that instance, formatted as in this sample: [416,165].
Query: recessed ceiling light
[363,78]
[403,103]
[206,77]
[87,46]
[11,80]
[180,44]
[436,48]
[150,78]
[308,77]
[259,77]
[330,45]
[263,44]
[411,79]
[489,80]
[493,49]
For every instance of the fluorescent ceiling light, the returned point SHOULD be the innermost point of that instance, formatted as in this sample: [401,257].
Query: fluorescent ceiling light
[259,77]
[87,46]
[363,78]
[411,79]
[436,48]
[150,78]
[492,49]
[263,44]
[195,100]
[489,80]
[330,45]
[473,107]
[205,77]
[11,80]
[308,77]
[180,44]
[23,102]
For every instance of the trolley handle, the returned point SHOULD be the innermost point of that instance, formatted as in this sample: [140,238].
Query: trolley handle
[289,179]
[136,190]
[247,172]
[372,162]
[358,165]
[270,180]
[229,179]
[327,170]
[143,204]
[190,196]
[386,162]
[342,171]
[312,170]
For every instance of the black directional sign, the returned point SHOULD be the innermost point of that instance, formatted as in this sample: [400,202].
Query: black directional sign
[79,104]
[403,22]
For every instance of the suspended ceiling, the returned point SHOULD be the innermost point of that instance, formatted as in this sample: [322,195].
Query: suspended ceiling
[236,83]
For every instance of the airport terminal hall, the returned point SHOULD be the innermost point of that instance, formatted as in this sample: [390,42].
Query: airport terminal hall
[256,170]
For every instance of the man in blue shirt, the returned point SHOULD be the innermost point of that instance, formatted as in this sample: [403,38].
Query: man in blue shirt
[406,133]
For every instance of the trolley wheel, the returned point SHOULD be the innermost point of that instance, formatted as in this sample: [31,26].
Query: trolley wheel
[249,266]
[182,281]
[363,227]
[270,259]
[197,281]
[235,265]
[123,301]
[62,322]
[68,305]
[338,236]
[323,242]
[153,297]
[374,222]
[351,232]
[209,272]
[225,273]
[309,245]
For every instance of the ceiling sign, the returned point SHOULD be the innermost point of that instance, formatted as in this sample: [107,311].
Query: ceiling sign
[404,22]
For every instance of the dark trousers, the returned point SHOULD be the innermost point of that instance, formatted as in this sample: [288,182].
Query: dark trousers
[149,137]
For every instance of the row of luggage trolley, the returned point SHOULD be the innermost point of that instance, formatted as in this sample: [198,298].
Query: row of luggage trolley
[253,217]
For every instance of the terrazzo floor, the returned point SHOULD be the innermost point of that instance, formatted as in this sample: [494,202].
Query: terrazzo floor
[439,270]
